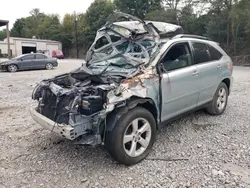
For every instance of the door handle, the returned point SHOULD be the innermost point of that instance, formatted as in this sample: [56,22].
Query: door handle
[219,66]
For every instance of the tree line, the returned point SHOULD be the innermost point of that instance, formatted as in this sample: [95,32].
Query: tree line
[225,21]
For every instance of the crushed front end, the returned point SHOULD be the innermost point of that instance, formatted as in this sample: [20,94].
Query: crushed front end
[71,108]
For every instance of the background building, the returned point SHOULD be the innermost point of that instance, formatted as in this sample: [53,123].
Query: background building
[6,23]
[19,46]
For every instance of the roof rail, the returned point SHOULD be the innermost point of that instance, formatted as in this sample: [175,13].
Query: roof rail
[190,36]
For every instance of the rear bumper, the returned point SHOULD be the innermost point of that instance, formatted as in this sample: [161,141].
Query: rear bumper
[66,131]
[55,64]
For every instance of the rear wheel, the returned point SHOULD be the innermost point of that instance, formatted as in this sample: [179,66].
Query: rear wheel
[49,66]
[133,136]
[219,103]
[12,68]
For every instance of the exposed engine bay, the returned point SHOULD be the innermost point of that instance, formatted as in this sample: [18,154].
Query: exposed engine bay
[68,101]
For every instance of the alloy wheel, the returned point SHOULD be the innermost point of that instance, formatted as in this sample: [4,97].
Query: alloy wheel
[137,137]
[222,99]
[12,68]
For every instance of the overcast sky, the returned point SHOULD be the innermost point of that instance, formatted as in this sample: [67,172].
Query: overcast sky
[21,8]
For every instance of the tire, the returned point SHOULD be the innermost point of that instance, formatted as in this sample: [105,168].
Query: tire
[129,145]
[12,68]
[49,66]
[219,103]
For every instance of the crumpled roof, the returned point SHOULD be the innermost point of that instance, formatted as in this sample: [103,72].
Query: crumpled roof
[122,48]
[138,27]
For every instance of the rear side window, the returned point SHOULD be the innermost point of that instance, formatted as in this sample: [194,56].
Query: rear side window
[214,54]
[39,56]
[28,57]
[201,53]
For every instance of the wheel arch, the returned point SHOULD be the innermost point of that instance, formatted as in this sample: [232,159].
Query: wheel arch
[227,81]
[131,103]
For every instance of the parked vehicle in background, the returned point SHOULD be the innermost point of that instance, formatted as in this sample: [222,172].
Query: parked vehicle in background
[28,62]
[132,84]
[57,54]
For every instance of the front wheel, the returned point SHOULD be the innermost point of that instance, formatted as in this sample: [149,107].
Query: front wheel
[12,68]
[133,136]
[219,103]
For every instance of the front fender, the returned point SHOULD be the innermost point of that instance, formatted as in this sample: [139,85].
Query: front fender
[123,108]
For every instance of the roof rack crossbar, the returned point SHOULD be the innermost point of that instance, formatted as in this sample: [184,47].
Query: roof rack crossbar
[191,36]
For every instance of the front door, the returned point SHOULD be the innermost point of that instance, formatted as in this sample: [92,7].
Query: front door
[179,83]
[27,61]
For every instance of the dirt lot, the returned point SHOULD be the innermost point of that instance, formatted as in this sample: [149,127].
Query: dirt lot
[216,150]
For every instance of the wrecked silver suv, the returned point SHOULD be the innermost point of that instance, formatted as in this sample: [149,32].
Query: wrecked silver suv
[135,78]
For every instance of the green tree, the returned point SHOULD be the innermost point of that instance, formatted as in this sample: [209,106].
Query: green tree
[3,34]
[162,15]
[139,8]
[50,27]
[95,18]
[66,35]
[33,22]
[18,29]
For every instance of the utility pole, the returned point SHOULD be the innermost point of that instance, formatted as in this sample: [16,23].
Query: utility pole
[76,36]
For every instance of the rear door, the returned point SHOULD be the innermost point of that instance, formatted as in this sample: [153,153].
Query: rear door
[40,61]
[179,81]
[208,65]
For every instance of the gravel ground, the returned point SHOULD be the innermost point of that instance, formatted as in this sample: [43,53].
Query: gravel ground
[196,151]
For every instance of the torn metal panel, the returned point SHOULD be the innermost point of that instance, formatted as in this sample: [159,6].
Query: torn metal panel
[136,39]
[162,27]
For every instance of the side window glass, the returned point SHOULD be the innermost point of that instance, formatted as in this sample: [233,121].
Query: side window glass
[115,38]
[201,53]
[148,44]
[177,57]
[215,54]
[28,57]
[39,56]
[101,42]
[122,48]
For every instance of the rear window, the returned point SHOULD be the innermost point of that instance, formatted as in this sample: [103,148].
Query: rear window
[214,54]
[59,52]
[201,53]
